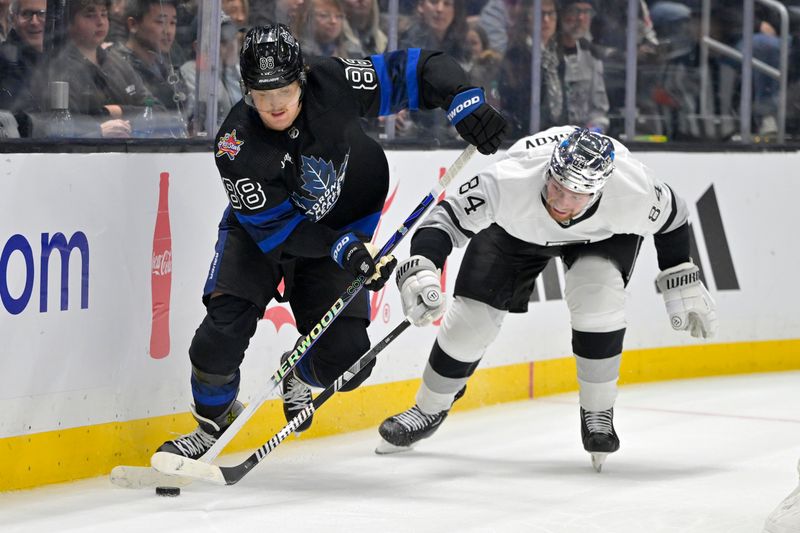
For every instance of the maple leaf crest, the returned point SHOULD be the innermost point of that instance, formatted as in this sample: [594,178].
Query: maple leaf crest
[322,183]
[318,175]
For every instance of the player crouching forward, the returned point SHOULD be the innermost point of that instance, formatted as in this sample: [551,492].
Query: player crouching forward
[306,187]
[564,192]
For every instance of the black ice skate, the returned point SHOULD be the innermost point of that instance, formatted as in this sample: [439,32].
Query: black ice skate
[198,442]
[598,435]
[401,431]
[296,397]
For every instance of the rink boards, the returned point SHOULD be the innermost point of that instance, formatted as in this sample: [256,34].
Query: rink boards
[80,392]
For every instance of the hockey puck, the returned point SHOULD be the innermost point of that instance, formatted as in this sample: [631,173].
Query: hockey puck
[168,491]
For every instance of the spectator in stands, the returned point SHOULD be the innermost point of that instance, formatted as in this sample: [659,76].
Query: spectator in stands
[583,83]
[766,47]
[364,19]
[793,88]
[495,18]
[473,8]
[608,38]
[441,25]
[289,12]
[228,90]
[151,34]
[515,76]
[183,49]
[117,25]
[238,11]
[5,19]
[101,85]
[484,63]
[328,33]
[673,83]
[609,28]
[20,56]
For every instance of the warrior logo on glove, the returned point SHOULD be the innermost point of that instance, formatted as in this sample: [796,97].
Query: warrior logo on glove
[420,291]
[689,305]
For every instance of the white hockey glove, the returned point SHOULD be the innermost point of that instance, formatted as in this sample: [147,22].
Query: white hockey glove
[420,290]
[689,305]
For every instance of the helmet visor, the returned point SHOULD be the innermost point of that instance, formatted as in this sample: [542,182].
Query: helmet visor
[276,100]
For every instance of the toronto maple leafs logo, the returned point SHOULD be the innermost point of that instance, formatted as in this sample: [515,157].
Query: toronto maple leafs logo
[322,185]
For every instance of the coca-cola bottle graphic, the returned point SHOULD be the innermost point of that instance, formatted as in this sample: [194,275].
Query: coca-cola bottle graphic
[161,273]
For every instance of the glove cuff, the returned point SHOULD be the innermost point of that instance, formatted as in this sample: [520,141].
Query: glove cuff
[341,245]
[465,103]
[677,277]
[411,266]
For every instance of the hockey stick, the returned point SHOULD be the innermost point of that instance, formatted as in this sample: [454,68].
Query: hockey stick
[228,475]
[345,298]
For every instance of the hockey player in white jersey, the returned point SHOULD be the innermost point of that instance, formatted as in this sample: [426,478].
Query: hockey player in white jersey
[563,192]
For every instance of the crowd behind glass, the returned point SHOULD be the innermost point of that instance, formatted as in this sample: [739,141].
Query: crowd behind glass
[128,68]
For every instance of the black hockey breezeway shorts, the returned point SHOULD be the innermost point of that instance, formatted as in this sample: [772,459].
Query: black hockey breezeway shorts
[501,270]
[311,285]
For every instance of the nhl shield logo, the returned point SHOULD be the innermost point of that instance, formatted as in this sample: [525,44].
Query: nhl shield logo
[229,145]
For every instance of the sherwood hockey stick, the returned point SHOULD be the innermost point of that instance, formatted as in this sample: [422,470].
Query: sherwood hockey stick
[346,297]
[228,475]
[139,477]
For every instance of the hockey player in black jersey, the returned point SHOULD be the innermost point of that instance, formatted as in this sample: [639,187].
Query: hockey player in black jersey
[306,187]
[567,193]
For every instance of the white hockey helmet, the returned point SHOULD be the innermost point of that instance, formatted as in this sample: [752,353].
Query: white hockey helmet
[583,161]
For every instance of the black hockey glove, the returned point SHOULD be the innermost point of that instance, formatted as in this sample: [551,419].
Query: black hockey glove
[356,257]
[383,271]
[477,122]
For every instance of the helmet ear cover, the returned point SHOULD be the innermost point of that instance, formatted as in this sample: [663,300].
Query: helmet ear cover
[270,58]
[583,161]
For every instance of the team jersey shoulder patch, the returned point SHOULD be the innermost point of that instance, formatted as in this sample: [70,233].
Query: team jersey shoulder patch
[229,145]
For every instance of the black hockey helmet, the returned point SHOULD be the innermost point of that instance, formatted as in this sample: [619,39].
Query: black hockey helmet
[270,58]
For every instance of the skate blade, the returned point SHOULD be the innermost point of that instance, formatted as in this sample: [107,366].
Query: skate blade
[142,477]
[598,458]
[387,448]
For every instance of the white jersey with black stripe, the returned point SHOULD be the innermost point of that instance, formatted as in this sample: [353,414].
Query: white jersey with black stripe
[509,193]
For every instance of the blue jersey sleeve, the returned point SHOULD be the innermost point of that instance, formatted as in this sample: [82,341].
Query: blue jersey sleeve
[398,79]
[411,78]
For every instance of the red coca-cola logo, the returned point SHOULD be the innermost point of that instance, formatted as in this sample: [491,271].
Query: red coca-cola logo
[162,263]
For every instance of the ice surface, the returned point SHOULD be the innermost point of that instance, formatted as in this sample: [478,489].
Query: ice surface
[702,455]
